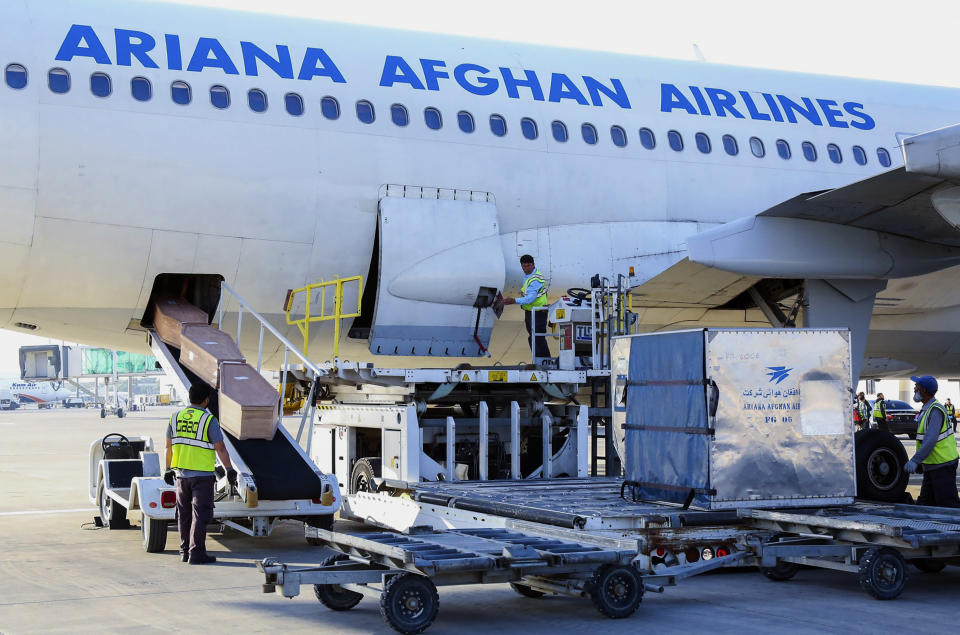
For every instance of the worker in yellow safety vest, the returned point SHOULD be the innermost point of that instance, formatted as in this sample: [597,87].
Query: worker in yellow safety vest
[863,411]
[936,455]
[194,440]
[880,411]
[951,412]
[533,295]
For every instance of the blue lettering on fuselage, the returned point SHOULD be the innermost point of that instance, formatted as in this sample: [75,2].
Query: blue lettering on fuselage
[774,107]
[139,48]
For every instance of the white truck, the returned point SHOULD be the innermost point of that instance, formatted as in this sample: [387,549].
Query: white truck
[275,481]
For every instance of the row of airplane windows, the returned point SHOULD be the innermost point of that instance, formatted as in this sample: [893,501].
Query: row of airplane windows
[101,85]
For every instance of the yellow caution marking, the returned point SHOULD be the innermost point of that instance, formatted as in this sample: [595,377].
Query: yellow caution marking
[533,377]
[465,377]
[497,375]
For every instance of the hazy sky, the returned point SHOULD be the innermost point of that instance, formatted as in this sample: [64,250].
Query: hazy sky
[907,42]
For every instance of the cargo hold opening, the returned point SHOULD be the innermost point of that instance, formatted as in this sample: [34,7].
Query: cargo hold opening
[200,289]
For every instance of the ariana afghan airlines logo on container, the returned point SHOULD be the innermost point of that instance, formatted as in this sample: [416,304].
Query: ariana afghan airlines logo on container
[778,373]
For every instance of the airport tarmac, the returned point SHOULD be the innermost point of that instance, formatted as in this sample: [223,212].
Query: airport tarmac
[60,575]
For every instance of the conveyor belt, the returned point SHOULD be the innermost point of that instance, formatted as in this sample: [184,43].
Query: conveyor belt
[279,469]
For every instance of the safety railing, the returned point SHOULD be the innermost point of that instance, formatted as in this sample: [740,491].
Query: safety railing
[303,323]
[311,369]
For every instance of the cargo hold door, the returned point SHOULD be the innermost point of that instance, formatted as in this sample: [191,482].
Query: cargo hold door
[437,250]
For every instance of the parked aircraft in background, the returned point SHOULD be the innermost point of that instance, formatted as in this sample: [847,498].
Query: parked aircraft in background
[151,148]
[42,393]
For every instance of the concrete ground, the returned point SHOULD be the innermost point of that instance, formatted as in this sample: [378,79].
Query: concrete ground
[61,575]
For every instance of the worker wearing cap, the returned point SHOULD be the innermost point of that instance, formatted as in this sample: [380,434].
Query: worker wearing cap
[534,290]
[194,440]
[936,455]
[880,411]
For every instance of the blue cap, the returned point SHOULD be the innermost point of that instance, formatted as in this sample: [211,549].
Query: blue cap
[926,382]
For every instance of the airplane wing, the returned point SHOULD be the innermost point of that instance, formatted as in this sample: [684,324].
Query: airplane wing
[903,222]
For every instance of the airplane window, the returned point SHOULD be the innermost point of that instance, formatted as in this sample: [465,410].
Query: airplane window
[528,127]
[100,84]
[141,89]
[180,92]
[675,140]
[330,108]
[294,103]
[730,145]
[647,139]
[619,136]
[589,133]
[465,121]
[398,114]
[16,76]
[559,131]
[809,152]
[859,155]
[756,147]
[219,96]
[884,157]
[257,100]
[498,125]
[433,119]
[833,151]
[783,149]
[703,142]
[365,112]
[59,80]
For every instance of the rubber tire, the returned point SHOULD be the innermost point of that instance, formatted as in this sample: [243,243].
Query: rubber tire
[333,596]
[601,588]
[883,573]
[321,522]
[929,565]
[402,587]
[363,472]
[153,534]
[782,572]
[112,513]
[120,413]
[526,591]
[103,413]
[883,450]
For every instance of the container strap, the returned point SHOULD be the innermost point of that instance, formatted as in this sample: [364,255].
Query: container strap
[640,426]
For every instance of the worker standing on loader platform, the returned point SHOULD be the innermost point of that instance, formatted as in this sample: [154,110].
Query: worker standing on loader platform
[534,290]
[936,454]
[194,440]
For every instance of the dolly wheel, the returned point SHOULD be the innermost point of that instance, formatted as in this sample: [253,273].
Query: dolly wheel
[334,596]
[782,572]
[526,591]
[617,590]
[409,603]
[930,565]
[883,573]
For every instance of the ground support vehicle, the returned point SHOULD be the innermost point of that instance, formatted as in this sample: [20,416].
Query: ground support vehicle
[276,480]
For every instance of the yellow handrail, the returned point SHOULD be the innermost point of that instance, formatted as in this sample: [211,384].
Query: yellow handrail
[304,323]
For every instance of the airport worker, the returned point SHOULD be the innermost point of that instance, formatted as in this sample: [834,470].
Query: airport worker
[863,411]
[534,290]
[880,412]
[936,455]
[951,412]
[194,439]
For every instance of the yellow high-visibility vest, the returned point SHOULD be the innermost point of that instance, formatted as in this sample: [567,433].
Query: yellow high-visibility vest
[192,449]
[946,448]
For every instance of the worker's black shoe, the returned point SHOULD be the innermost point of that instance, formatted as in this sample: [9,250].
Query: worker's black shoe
[204,559]
[184,557]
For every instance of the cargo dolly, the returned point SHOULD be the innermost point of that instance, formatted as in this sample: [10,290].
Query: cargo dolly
[404,570]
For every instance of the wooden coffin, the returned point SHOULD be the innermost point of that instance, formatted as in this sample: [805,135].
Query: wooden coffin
[172,314]
[248,403]
[204,348]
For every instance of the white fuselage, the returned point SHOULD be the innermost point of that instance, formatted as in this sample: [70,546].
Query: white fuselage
[99,195]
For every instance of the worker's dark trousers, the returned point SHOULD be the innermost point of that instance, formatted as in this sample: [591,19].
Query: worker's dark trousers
[939,487]
[882,424]
[194,511]
[542,349]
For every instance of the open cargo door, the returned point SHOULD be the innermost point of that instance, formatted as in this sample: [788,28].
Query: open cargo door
[439,251]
